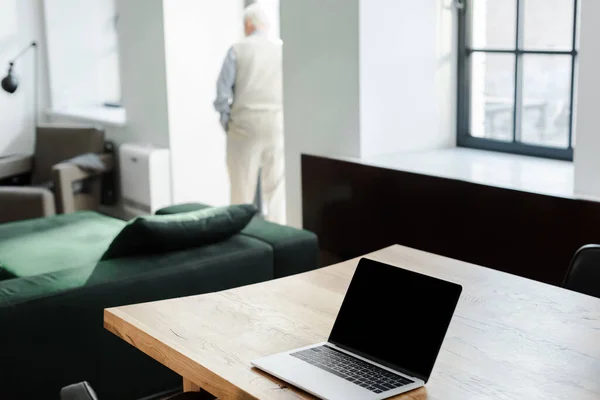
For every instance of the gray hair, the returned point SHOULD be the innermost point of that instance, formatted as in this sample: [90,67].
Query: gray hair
[257,16]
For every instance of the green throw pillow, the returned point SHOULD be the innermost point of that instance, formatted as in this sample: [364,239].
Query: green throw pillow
[162,233]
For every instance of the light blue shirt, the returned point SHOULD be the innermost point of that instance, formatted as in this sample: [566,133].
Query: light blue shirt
[225,87]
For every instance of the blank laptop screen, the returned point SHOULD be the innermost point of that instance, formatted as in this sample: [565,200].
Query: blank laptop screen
[395,317]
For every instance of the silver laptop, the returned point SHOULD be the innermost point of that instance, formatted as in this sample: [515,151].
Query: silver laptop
[385,339]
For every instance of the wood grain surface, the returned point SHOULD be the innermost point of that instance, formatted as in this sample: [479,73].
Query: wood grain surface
[510,338]
[189,386]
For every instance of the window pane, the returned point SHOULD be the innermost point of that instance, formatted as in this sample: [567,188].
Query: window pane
[492,95]
[546,100]
[548,24]
[494,24]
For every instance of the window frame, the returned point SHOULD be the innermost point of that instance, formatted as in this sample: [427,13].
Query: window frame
[463,137]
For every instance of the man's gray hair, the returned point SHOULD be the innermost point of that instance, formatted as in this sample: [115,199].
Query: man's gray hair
[257,16]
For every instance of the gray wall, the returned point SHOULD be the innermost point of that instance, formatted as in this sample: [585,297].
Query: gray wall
[143,71]
[320,85]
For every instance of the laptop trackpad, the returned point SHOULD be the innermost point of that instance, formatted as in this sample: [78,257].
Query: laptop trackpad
[312,379]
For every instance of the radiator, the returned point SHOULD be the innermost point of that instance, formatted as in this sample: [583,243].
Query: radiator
[145,178]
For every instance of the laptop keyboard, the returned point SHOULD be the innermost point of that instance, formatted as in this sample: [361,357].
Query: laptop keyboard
[352,369]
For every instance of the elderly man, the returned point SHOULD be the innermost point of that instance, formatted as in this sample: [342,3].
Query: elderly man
[249,99]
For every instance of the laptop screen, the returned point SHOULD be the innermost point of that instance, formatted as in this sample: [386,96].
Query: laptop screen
[395,317]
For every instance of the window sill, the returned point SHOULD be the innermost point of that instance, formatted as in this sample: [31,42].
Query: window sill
[508,171]
[114,117]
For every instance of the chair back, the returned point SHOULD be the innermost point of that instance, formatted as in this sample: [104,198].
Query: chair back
[54,145]
[583,275]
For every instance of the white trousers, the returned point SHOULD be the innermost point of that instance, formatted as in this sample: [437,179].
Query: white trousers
[255,142]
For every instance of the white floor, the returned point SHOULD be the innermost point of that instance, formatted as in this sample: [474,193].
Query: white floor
[529,174]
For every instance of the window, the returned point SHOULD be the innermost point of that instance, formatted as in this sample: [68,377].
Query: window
[517,61]
[83,54]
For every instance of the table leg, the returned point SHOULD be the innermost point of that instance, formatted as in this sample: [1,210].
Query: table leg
[189,386]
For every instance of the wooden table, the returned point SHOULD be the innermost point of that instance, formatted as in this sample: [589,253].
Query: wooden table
[511,338]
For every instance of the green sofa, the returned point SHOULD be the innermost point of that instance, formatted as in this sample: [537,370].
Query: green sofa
[53,292]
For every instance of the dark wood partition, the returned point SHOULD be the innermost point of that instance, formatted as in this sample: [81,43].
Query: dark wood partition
[356,208]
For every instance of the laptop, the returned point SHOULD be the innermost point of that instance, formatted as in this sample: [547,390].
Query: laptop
[385,339]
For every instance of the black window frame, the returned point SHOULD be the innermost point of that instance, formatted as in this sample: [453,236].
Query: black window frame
[463,137]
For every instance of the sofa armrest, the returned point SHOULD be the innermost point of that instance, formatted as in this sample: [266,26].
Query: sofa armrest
[15,165]
[294,250]
[65,174]
[17,203]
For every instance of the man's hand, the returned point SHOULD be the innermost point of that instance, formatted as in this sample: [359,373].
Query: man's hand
[225,121]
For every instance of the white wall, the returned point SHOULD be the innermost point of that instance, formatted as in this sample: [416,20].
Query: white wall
[21,22]
[83,52]
[320,86]
[407,75]
[271,8]
[197,37]
[171,53]
[404,64]
[143,72]
[366,77]
[587,124]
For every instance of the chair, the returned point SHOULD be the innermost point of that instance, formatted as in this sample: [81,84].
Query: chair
[54,146]
[83,391]
[583,275]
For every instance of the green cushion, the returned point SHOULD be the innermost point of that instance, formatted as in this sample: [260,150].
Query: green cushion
[162,233]
[181,208]
[40,246]
[294,250]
